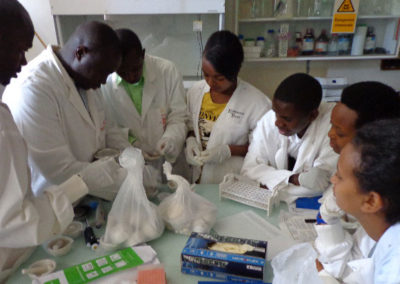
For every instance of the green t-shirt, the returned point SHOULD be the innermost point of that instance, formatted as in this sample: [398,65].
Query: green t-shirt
[135,92]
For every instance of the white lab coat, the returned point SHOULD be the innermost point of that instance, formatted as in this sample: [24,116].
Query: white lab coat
[163,107]
[233,127]
[61,134]
[367,261]
[266,161]
[27,221]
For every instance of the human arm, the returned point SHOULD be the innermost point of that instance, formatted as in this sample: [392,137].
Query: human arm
[37,113]
[177,116]
[259,163]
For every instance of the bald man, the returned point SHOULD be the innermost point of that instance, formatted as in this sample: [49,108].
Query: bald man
[25,220]
[59,112]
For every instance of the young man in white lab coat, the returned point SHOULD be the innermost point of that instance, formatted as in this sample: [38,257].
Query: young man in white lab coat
[367,186]
[61,115]
[146,98]
[290,149]
[25,220]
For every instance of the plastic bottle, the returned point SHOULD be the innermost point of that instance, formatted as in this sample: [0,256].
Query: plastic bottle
[270,44]
[308,42]
[357,47]
[370,41]
[283,44]
[260,41]
[333,45]
[321,44]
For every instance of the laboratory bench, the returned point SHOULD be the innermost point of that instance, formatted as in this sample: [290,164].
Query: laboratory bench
[168,247]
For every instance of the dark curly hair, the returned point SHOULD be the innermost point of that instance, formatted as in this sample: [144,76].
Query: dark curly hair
[371,101]
[379,169]
[225,53]
[302,90]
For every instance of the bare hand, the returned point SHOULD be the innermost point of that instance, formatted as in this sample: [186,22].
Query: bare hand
[319,265]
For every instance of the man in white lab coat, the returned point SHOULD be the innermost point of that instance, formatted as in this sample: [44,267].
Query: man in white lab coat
[25,220]
[290,149]
[146,98]
[61,115]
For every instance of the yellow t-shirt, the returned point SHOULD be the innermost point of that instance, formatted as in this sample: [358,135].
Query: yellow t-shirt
[209,113]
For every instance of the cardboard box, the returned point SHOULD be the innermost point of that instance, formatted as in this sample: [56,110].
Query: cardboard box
[224,257]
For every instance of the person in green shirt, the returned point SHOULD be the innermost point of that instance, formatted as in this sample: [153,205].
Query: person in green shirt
[146,98]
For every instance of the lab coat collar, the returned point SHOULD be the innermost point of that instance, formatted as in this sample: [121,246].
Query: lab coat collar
[73,94]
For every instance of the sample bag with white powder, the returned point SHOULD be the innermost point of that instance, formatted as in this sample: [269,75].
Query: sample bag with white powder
[133,219]
[185,211]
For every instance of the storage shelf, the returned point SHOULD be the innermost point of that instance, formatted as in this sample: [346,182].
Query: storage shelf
[283,19]
[320,58]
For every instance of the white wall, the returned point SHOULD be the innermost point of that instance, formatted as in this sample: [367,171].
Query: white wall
[40,12]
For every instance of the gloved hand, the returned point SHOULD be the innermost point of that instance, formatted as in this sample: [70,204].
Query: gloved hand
[330,211]
[192,151]
[216,155]
[166,147]
[102,174]
[315,178]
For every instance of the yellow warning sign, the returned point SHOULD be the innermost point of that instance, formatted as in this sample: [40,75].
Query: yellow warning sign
[346,7]
[345,16]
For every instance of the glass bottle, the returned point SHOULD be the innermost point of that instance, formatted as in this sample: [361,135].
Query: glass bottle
[270,44]
[333,45]
[370,41]
[344,41]
[299,42]
[308,42]
[317,8]
[321,44]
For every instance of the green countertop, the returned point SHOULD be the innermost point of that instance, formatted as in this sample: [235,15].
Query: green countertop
[168,247]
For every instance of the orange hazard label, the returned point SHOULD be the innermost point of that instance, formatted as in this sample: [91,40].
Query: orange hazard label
[346,7]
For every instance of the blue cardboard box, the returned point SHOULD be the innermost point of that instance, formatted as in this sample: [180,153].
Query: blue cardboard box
[224,257]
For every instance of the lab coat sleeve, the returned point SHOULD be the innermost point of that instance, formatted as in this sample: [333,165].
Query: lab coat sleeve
[257,164]
[177,114]
[26,220]
[334,246]
[36,117]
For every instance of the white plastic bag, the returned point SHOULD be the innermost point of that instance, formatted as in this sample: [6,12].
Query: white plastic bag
[296,266]
[185,211]
[133,219]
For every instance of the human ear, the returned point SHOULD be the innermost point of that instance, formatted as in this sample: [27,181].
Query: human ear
[313,114]
[372,203]
[143,52]
[80,51]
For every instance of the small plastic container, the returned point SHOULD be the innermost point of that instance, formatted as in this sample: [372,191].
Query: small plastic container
[249,42]
[58,246]
[74,229]
[40,268]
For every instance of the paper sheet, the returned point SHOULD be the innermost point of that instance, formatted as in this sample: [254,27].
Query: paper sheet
[298,229]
